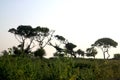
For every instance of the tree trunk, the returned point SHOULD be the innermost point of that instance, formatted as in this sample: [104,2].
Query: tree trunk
[104,54]
[108,55]
[27,50]
[22,45]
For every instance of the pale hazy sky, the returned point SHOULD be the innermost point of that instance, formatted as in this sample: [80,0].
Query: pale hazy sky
[82,22]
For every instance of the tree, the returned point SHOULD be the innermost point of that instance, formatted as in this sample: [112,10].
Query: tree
[58,45]
[80,52]
[61,39]
[24,34]
[105,44]
[70,47]
[27,35]
[43,36]
[91,52]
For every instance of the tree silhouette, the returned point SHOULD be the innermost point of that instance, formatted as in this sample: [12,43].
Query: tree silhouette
[40,53]
[117,56]
[60,40]
[27,35]
[43,36]
[70,47]
[23,33]
[105,44]
[80,52]
[91,52]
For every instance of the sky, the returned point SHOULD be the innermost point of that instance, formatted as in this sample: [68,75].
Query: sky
[82,22]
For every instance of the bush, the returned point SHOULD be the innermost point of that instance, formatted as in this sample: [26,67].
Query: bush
[26,68]
[40,53]
[116,56]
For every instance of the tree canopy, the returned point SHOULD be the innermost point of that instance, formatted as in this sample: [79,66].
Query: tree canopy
[105,44]
[28,36]
[22,34]
[40,37]
[91,52]
[69,47]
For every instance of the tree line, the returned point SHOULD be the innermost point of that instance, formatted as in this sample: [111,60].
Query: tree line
[40,37]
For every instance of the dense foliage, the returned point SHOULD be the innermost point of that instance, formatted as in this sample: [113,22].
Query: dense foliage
[27,68]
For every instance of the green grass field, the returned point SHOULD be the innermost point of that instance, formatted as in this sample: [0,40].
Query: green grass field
[26,68]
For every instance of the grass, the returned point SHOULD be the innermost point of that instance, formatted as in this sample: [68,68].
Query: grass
[26,68]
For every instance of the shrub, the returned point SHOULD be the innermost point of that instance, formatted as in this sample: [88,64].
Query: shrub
[116,56]
[26,68]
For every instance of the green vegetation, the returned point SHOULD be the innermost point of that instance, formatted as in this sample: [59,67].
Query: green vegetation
[26,68]
[116,56]
[22,63]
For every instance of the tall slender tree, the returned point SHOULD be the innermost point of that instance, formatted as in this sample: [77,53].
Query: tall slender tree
[43,37]
[105,44]
[24,34]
